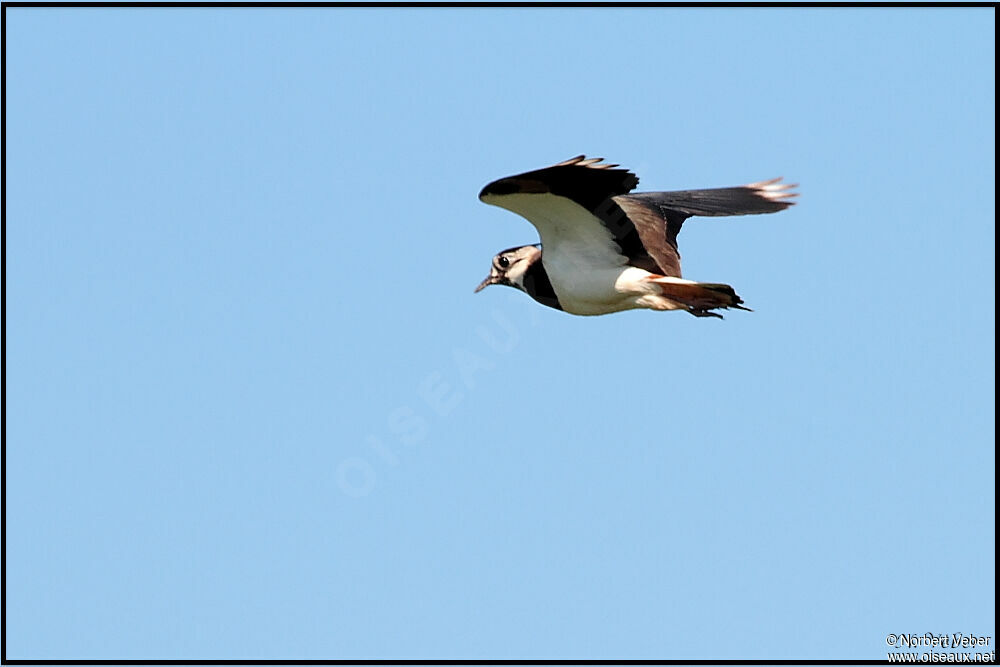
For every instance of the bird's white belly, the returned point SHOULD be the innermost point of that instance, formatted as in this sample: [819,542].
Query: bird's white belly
[584,291]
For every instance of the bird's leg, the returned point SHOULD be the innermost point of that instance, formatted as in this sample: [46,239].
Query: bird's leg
[704,313]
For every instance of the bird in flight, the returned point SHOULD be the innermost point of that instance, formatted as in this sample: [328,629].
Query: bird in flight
[604,250]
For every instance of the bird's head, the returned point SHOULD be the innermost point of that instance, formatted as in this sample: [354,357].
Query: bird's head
[509,267]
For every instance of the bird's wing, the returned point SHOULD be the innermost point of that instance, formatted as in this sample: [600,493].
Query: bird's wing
[763,197]
[572,204]
[658,216]
[587,181]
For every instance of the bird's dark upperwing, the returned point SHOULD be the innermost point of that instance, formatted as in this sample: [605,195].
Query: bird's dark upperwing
[657,216]
[587,181]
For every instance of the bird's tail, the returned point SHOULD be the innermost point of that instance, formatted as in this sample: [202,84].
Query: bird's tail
[699,299]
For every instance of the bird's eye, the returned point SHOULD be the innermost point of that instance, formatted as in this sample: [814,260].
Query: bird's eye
[503,262]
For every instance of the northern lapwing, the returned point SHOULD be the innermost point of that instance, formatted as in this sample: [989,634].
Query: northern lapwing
[603,250]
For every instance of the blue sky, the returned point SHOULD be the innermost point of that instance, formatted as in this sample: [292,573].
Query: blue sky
[255,410]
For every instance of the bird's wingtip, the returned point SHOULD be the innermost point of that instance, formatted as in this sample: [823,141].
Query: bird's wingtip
[775,190]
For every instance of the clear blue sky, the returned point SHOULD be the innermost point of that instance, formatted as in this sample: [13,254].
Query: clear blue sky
[255,410]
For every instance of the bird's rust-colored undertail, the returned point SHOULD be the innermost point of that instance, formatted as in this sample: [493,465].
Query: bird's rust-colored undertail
[699,298]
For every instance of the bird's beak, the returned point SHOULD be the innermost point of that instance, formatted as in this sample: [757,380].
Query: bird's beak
[490,280]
